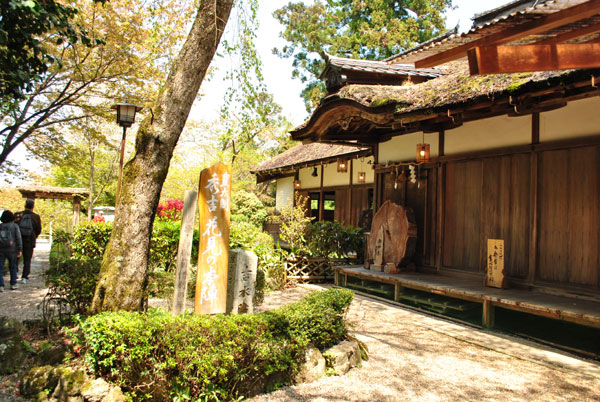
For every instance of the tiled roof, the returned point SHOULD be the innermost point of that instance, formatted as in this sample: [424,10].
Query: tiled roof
[306,153]
[499,19]
[381,67]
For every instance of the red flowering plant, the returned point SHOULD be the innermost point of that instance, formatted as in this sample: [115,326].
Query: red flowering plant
[170,210]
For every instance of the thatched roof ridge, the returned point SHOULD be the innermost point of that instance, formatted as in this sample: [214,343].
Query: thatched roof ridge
[457,86]
[307,153]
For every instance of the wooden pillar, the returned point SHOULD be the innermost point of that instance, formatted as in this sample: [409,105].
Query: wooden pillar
[398,289]
[348,214]
[533,198]
[184,251]
[321,195]
[440,204]
[488,314]
[76,210]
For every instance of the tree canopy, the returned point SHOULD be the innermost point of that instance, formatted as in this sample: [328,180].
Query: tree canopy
[367,29]
[129,47]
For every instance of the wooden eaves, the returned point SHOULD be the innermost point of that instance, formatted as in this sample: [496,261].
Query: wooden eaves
[341,119]
[553,35]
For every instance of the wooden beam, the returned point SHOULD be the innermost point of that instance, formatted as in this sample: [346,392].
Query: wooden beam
[515,59]
[560,18]
[574,34]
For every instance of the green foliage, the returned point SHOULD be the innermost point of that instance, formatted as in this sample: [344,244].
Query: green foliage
[73,281]
[334,240]
[158,356]
[246,207]
[89,240]
[61,247]
[23,56]
[367,29]
[294,221]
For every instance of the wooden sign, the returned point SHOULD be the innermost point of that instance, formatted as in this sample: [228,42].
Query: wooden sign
[213,206]
[495,276]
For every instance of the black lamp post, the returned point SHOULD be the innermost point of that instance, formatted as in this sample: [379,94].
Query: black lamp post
[125,118]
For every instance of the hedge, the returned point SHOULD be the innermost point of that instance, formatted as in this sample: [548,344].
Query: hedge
[157,356]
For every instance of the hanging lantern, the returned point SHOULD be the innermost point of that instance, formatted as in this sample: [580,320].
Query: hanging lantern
[422,152]
[362,177]
[342,165]
[314,172]
[297,184]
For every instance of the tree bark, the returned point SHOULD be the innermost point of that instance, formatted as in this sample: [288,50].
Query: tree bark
[124,273]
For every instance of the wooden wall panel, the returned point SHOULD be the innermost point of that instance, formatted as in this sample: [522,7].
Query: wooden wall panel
[569,204]
[516,244]
[341,206]
[462,213]
[360,202]
[431,219]
[505,210]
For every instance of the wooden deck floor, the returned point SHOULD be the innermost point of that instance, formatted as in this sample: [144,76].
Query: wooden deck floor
[573,310]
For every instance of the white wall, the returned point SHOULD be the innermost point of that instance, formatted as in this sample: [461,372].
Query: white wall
[580,118]
[494,132]
[284,196]
[403,148]
[307,179]
[363,166]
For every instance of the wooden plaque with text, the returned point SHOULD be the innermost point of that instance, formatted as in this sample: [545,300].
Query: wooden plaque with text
[495,275]
[214,196]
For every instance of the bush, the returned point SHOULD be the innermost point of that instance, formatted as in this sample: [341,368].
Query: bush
[334,240]
[89,240]
[170,210]
[163,357]
[71,284]
[60,250]
[246,207]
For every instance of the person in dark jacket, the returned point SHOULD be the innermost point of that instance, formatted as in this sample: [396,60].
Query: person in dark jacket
[29,233]
[10,247]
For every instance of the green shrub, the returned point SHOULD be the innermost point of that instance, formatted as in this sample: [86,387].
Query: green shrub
[158,356]
[89,240]
[246,207]
[334,240]
[60,249]
[72,282]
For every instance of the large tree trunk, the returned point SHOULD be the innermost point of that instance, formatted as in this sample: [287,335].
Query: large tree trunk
[124,273]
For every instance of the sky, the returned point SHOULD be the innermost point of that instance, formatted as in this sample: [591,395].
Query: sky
[278,72]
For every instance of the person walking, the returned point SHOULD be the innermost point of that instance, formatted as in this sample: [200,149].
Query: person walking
[30,225]
[10,247]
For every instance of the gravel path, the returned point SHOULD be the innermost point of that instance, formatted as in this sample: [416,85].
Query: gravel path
[415,357]
[24,303]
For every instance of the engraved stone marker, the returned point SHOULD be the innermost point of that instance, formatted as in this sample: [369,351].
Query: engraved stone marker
[241,281]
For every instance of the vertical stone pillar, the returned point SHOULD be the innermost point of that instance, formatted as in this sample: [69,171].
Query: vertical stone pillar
[241,279]
[184,251]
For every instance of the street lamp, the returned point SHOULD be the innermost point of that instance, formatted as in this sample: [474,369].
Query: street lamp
[125,118]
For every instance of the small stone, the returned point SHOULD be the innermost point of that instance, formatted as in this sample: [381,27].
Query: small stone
[342,357]
[95,391]
[39,380]
[313,367]
[114,395]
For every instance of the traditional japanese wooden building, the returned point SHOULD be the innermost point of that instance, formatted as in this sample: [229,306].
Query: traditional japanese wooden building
[504,156]
[337,180]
